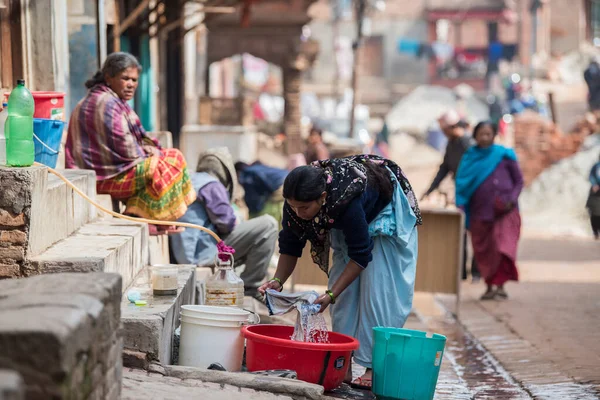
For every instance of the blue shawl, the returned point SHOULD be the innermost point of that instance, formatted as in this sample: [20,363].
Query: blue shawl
[476,165]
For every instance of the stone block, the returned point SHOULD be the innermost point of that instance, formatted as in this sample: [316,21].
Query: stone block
[135,359]
[12,253]
[149,329]
[18,187]
[13,237]
[11,220]
[51,326]
[10,270]
[11,386]
[103,246]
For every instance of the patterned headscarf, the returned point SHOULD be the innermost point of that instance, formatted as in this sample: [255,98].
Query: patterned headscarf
[346,180]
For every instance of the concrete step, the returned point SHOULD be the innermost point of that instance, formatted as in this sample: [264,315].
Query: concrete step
[57,211]
[109,245]
[105,201]
[158,245]
[148,330]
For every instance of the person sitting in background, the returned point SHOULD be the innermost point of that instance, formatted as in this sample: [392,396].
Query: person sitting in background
[488,185]
[253,240]
[593,202]
[316,149]
[263,188]
[106,135]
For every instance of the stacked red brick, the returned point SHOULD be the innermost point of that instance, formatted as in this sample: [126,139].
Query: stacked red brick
[539,143]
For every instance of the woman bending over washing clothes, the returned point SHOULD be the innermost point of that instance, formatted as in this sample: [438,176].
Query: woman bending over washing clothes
[365,209]
[488,185]
[106,135]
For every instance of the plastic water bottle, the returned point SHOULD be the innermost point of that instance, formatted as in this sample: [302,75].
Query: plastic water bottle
[20,149]
[3,116]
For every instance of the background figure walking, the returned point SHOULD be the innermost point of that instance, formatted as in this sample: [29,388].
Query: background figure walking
[488,185]
[593,202]
[592,79]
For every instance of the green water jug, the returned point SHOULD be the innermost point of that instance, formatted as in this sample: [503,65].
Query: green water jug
[20,149]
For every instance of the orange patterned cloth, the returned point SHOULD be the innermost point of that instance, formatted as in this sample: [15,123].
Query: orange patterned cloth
[158,188]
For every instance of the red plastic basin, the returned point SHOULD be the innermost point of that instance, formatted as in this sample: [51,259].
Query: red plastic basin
[270,347]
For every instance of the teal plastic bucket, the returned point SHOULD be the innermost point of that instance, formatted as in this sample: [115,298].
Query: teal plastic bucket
[48,134]
[406,363]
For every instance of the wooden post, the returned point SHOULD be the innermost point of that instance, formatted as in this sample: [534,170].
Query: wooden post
[360,16]
[117,27]
[292,116]
[552,105]
[335,29]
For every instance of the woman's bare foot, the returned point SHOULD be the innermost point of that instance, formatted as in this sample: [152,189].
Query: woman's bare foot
[364,382]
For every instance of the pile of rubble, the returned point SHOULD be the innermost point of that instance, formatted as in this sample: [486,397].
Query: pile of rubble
[554,203]
[539,143]
[415,112]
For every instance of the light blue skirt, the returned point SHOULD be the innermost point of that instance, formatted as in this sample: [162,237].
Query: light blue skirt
[382,295]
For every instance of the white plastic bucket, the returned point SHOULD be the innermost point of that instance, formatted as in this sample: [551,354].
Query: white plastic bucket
[212,335]
[214,312]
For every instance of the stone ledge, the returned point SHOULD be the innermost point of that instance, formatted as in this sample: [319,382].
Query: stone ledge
[290,387]
[60,332]
[149,329]
[139,384]
[17,186]
[102,246]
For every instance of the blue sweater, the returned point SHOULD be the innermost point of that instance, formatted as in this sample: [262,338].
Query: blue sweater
[354,222]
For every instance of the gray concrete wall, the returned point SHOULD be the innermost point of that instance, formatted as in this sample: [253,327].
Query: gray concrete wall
[61,333]
[398,68]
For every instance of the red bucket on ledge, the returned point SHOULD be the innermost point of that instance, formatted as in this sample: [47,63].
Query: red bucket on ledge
[49,105]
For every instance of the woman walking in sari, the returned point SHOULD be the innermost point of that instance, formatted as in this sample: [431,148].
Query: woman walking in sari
[106,135]
[488,185]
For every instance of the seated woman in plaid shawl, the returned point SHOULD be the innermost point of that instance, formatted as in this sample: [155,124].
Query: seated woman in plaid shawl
[106,135]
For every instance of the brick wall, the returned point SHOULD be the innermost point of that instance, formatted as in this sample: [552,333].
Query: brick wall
[61,333]
[16,191]
[539,143]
